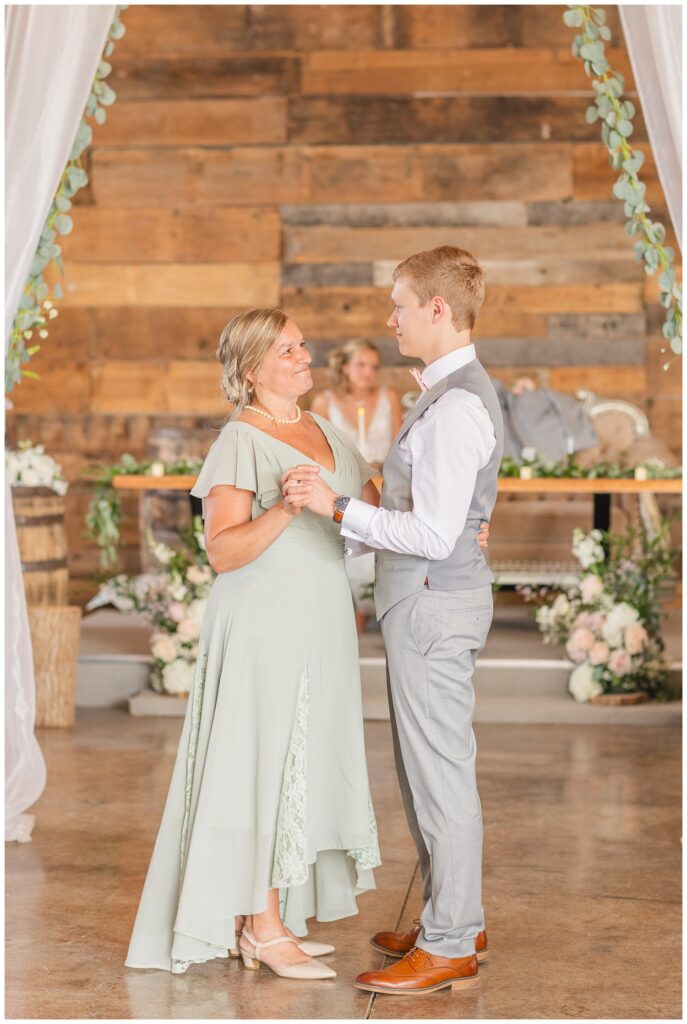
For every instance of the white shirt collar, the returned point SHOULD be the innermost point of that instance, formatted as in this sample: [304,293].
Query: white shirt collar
[440,368]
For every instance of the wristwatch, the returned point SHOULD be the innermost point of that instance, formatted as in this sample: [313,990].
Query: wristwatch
[340,505]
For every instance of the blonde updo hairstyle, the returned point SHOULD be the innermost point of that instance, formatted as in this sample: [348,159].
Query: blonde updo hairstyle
[243,345]
[340,357]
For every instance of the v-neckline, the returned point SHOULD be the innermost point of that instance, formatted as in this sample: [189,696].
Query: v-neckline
[286,444]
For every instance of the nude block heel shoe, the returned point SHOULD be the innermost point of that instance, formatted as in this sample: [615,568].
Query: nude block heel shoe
[309,947]
[307,971]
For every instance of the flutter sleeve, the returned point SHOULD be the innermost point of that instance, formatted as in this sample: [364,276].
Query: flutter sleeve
[236,459]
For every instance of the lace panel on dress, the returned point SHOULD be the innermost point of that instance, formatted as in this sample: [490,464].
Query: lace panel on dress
[291,846]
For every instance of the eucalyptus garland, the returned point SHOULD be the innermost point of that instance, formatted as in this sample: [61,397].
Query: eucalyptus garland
[36,307]
[616,115]
[103,517]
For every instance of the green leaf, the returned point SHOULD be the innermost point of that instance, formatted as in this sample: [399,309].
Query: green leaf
[625,128]
[614,139]
[591,114]
[668,331]
[599,15]
[628,109]
[57,290]
[108,95]
[676,344]
[64,223]
[665,299]
[592,51]
[667,279]
[63,204]
[611,117]
[605,32]
[100,115]
[573,18]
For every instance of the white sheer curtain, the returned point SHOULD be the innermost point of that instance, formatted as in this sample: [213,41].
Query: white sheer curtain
[653,34]
[51,55]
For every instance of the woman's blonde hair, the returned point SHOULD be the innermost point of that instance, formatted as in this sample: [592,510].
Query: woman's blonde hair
[340,357]
[452,273]
[243,345]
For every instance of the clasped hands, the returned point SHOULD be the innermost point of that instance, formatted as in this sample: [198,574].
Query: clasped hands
[303,487]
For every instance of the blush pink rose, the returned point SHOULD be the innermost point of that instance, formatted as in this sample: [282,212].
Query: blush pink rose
[188,630]
[585,620]
[176,611]
[620,663]
[635,638]
[579,644]
[599,652]
[591,588]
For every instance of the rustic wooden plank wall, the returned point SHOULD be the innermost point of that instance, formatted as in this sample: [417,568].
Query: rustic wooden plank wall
[291,155]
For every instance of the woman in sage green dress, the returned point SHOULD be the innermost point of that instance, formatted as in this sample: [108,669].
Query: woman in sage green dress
[268,819]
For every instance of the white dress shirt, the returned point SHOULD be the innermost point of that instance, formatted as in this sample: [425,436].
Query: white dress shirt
[446,447]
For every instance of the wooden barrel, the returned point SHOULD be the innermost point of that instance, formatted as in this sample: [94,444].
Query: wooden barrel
[55,645]
[42,539]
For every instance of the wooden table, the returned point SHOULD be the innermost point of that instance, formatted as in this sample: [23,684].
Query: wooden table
[601,489]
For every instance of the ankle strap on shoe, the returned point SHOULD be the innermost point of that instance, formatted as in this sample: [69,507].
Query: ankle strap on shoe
[263,945]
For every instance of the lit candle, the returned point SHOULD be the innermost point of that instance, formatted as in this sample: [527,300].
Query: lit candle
[571,445]
[361,427]
[525,472]
[641,473]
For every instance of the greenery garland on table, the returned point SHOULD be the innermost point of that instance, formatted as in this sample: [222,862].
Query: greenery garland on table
[570,469]
[616,116]
[103,518]
[104,512]
[35,306]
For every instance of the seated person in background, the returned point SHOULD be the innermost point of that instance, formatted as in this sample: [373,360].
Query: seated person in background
[355,368]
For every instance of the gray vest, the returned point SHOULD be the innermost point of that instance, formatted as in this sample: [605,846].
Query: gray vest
[398,576]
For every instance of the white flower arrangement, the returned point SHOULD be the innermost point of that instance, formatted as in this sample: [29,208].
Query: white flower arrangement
[609,621]
[29,466]
[174,600]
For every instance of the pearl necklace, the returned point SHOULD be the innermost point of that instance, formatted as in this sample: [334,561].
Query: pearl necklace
[271,417]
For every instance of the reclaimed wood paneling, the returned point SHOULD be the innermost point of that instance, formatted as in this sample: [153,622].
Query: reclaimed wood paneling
[474,119]
[476,71]
[165,235]
[202,30]
[148,78]
[199,122]
[323,244]
[197,177]
[454,26]
[530,171]
[172,284]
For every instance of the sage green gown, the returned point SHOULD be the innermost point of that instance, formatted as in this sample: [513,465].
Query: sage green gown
[270,785]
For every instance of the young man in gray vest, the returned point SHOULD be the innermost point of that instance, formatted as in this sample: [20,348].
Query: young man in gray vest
[433,594]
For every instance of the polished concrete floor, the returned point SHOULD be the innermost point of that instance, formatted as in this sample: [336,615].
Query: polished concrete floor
[582,875]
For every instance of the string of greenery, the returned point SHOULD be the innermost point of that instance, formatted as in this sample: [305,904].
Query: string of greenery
[36,307]
[616,115]
[103,517]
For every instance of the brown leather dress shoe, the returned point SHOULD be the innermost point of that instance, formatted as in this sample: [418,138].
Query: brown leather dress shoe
[400,943]
[419,972]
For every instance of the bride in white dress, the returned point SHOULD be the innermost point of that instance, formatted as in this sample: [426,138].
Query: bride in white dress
[370,416]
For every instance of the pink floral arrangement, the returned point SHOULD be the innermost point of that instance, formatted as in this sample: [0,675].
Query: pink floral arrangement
[608,620]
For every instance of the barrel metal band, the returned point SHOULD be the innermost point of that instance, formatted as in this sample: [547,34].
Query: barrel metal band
[58,563]
[38,520]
